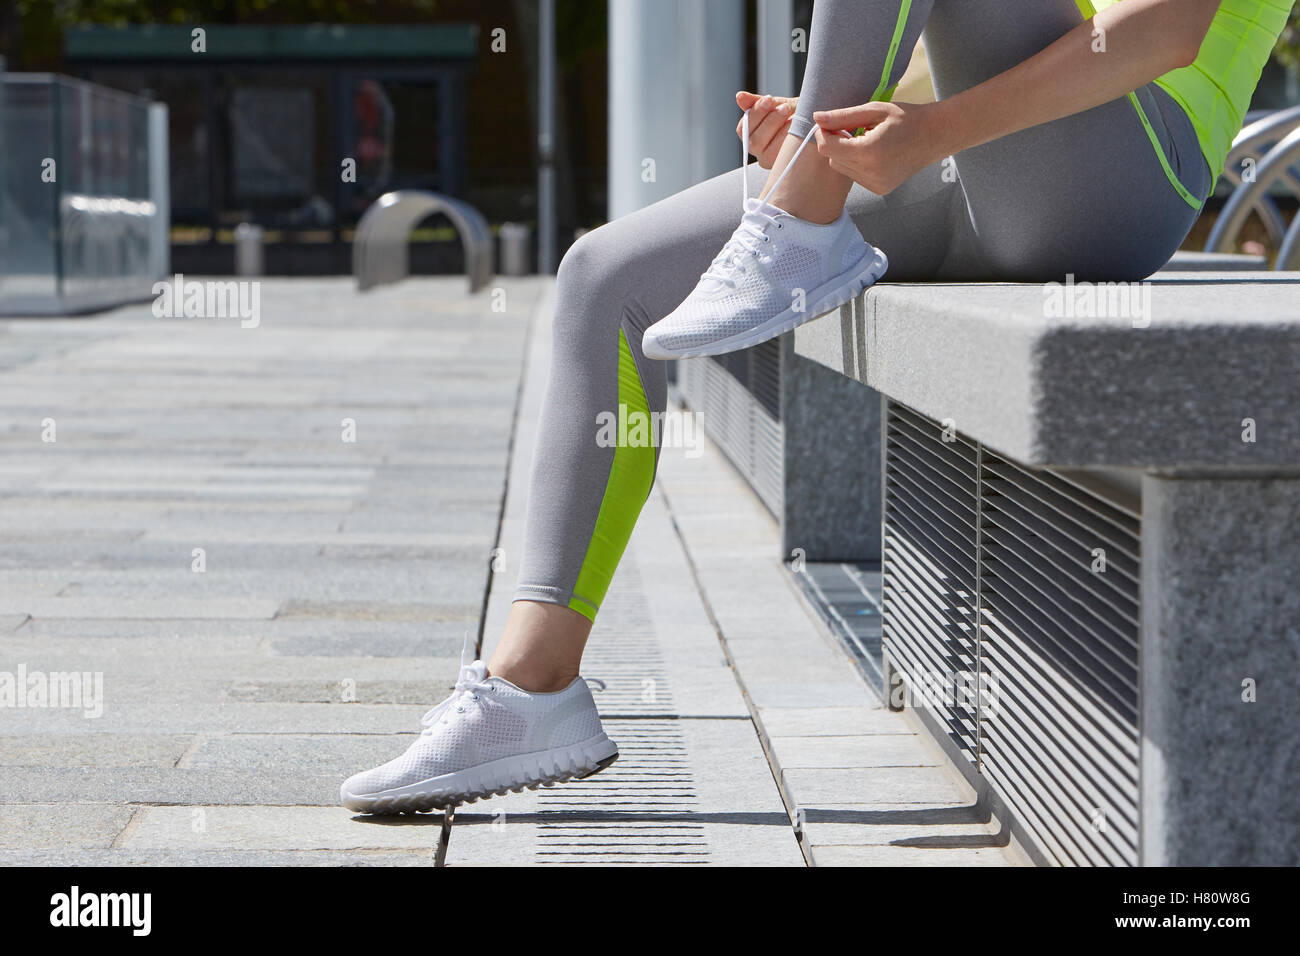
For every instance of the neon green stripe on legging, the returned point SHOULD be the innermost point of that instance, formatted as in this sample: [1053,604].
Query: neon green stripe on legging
[885,91]
[630,477]
[1183,191]
[1088,10]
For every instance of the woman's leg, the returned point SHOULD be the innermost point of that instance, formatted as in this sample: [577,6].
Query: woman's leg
[1086,194]
[857,52]
[585,495]
[810,257]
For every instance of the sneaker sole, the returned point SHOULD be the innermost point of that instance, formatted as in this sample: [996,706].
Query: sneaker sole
[825,298]
[509,774]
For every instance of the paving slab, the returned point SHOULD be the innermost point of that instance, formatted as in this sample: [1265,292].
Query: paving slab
[888,785]
[93,750]
[206,435]
[65,856]
[865,750]
[886,855]
[855,825]
[175,715]
[59,825]
[829,721]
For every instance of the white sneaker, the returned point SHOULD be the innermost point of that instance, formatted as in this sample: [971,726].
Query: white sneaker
[774,273]
[488,737]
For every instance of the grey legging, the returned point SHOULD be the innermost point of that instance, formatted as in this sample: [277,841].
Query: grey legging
[1085,195]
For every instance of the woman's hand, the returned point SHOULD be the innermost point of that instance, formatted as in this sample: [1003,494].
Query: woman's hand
[769,121]
[1144,39]
[897,143]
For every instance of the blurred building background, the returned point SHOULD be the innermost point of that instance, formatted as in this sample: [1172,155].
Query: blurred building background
[423,94]
[428,94]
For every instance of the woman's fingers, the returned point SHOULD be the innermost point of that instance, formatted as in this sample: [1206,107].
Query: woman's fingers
[763,107]
[758,109]
[773,124]
[769,120]
[746,100]
[897,144]
[833,145]
[868,115]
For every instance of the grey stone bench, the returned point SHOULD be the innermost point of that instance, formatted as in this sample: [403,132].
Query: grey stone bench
[1091,550]
[803,436]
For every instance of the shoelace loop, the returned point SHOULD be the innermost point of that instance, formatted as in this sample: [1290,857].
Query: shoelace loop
[744,241]
[471,681]
[753,224]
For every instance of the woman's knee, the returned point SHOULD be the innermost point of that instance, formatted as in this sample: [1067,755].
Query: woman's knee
[595,265]
[591,294]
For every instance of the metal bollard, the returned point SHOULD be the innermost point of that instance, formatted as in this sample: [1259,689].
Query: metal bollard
[248,250]
[516,239]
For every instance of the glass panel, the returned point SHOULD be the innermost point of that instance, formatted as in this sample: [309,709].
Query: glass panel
[76,196]
[29,203]
[189,138]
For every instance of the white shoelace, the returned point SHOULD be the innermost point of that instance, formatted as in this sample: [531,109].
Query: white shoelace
[472,680]
[726,267]
[744,158]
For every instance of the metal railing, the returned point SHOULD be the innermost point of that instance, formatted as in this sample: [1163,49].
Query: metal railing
[381,253]
[1269,147]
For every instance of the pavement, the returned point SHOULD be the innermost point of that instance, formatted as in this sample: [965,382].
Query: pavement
[265,546]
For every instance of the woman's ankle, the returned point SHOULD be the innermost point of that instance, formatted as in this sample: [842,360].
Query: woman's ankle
[812,191]
[534,677]
[541,647]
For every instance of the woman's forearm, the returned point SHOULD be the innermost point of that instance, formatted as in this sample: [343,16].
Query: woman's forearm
[1124,47]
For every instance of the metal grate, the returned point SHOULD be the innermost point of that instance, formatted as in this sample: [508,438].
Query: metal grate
[1050,568]
[928,592]
[739,398]
[643,809]
[847,595]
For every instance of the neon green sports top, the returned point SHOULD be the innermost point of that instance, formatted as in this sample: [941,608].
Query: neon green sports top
[1215,90]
